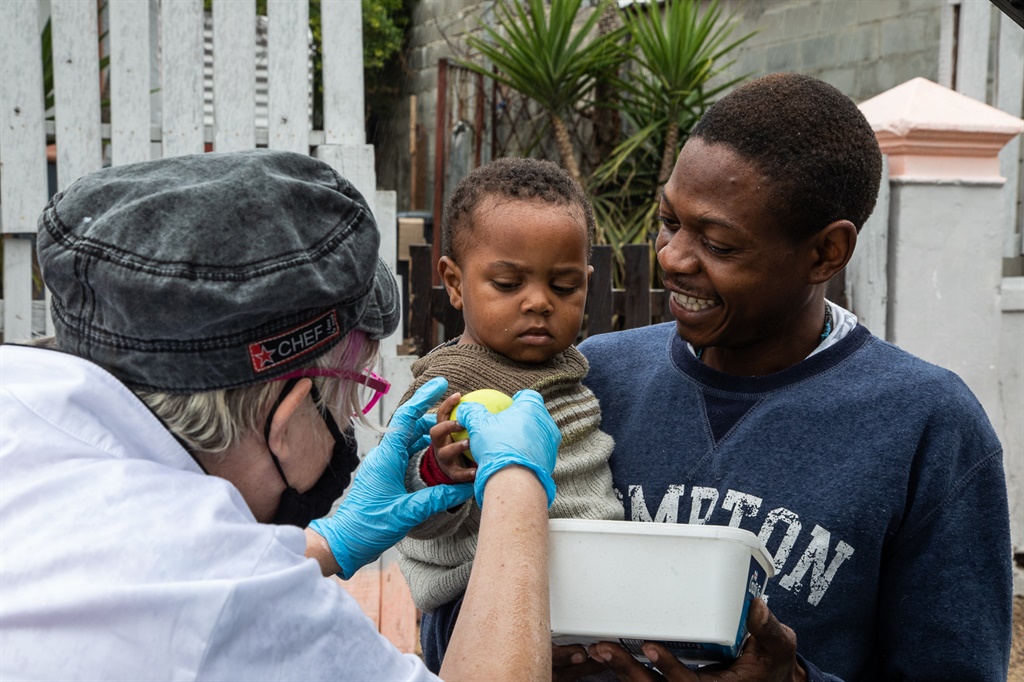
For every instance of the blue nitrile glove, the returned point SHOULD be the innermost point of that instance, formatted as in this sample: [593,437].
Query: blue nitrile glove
[524,434]
[377,512]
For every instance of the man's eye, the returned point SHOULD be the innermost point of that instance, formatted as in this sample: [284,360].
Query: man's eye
[717,250]
[668,222]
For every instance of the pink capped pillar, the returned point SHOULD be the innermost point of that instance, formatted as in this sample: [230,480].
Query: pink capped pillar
[946,227]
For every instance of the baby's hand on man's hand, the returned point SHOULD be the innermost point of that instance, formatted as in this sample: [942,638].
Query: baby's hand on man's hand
[449,453]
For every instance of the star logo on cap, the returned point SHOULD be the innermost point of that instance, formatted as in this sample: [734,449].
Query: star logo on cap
[295,343]
[260,356]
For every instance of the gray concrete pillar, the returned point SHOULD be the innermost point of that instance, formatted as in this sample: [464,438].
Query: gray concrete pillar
[946,228]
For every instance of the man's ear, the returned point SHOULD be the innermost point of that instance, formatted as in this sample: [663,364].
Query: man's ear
[284,417]
[451,276]
[832,249]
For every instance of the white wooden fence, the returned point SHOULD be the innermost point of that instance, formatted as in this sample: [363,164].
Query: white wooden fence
[137,130]
[157,109]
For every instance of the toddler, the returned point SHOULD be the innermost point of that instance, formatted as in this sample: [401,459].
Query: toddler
[516,238]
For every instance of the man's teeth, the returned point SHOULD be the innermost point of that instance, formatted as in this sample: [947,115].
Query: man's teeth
[692,303]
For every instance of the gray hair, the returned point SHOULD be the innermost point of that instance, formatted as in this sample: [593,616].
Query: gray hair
[211,422]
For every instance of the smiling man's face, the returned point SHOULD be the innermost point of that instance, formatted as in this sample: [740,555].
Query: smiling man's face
[740,285]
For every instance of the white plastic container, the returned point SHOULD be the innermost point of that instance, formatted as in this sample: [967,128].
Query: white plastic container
[687,587]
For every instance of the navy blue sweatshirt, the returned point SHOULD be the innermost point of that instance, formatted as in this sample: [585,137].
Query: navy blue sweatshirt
[874,478]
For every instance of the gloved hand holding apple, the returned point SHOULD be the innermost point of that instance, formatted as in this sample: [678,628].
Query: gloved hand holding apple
[450,441]
[494,401]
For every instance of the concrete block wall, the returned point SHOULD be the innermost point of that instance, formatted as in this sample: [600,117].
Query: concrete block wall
[439,31]
[862,47]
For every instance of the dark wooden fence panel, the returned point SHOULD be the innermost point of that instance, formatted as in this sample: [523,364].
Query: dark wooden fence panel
[432,319]
[421,297]
[600,297]
[637,260]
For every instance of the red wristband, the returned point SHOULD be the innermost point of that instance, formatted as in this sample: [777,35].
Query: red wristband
[430,470]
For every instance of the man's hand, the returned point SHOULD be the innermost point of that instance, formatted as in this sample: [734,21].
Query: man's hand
[768,656]
[570,663]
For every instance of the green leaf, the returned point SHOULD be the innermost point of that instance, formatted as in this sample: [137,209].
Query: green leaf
[539,54]
[678,54]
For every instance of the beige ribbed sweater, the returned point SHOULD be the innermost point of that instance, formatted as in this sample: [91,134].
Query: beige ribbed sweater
[437,556]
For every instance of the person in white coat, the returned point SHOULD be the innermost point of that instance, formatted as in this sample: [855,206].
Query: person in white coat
[168,459]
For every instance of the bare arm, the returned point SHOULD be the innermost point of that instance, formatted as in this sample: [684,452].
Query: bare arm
[504,627]
[317,548]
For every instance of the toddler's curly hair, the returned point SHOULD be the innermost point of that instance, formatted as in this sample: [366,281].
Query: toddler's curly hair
[511,178]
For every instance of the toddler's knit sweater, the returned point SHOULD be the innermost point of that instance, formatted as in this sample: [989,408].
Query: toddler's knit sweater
[437,555]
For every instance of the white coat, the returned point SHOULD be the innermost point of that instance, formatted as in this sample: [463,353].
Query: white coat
[121,559]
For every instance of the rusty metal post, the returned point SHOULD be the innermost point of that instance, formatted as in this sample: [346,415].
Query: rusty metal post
[478,123]
[440,133]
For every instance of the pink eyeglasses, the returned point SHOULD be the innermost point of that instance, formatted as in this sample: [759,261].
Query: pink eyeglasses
[375,385]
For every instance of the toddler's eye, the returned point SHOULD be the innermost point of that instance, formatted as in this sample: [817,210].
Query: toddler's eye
[563,290]
[505,286]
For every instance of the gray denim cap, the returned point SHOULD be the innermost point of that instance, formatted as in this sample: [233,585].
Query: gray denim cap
[212,271]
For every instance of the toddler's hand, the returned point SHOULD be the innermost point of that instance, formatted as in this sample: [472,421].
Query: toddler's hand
[449,453]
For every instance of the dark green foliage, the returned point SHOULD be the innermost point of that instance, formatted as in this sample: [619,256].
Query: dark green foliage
[659,70]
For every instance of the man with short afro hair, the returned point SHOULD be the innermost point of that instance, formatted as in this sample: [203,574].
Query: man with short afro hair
[874,478]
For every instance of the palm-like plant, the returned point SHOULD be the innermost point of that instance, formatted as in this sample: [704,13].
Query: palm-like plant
[680,53]
[676,55]
[542,57]
[677,52]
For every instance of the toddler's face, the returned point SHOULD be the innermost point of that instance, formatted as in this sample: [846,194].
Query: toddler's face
[521,280]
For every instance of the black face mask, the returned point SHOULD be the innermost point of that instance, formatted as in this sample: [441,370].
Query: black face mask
[298,509]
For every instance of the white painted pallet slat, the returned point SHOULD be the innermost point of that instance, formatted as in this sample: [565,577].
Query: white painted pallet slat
[343,85]
[1010,98]
[234,75]
[39,314]
[130,109]
[23,182]
[288,85]
[76,89]
[76,94]
[17,288]
[867,275]
[386,215]
[181,77]
[354,162]
[47,313]
[972,60]
[23,138]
